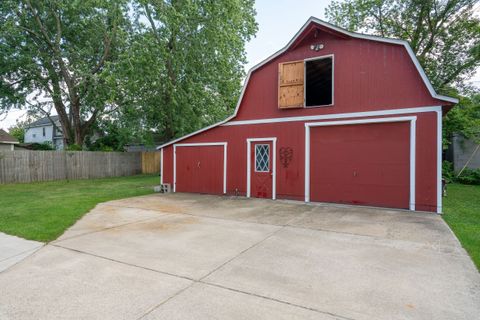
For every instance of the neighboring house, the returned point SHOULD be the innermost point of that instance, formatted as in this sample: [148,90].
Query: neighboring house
[7,142]
[42,131]
[334,116]
[463,152]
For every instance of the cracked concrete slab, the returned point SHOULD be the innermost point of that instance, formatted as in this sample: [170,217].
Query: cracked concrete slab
[14,249]
[356,276]
[205,302]
[381,223]
[184,245]
[248,258]
[105,216]
[57,283]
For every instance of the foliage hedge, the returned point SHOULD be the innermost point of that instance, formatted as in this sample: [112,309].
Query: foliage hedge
[468,176]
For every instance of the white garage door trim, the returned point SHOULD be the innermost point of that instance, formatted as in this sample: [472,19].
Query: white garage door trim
[411,119]
[202,144]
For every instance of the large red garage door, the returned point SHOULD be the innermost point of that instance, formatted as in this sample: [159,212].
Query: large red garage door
[365,164]
[200,169]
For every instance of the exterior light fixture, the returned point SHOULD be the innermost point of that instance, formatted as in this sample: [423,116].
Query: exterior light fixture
[317,47]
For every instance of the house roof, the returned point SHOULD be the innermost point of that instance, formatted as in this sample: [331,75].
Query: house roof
[6,138]
[312,22]
[43,122]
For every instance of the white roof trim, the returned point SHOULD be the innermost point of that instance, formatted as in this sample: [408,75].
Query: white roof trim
[10,142]
[340,30]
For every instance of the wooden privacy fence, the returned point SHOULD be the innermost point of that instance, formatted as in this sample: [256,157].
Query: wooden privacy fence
[151,162]
[32,166]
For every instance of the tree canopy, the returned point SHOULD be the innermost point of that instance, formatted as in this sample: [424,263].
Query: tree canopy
[61,54]
[170,66]
[186,61]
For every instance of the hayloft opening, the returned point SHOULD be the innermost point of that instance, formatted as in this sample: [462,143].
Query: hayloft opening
[319,82]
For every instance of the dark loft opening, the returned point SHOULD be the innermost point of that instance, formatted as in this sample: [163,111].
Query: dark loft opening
[318,91]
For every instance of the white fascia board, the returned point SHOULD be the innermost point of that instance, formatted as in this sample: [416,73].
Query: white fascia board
[200,144]
[387,112]
[359,121]
[419,68]
[194,133]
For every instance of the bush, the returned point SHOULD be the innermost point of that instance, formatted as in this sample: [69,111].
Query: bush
[448,173]
[74,147]
[469,176]
[42,146]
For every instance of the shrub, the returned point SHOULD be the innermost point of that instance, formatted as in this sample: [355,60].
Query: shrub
[448,173]
[42,146]
[469,176]
[74,147]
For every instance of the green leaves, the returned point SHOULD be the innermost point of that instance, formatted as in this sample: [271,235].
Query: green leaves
[190,54]
[175,65]
[58,53]
[464,118]
[445,35]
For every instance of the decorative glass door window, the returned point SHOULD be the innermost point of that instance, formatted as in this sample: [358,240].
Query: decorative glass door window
[262,158]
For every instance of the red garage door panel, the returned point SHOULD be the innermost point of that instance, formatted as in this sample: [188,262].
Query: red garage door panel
[199,169]
[366,164]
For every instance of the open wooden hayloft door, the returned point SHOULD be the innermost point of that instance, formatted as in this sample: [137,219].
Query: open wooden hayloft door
[291,85]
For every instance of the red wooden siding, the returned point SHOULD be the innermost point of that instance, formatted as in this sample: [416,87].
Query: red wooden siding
[366,164]
[368,76]
[290,178]
[199,169]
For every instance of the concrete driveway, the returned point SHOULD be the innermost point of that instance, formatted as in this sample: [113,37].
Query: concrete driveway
[184,256]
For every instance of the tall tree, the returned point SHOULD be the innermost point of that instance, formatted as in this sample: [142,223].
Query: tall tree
[61,53]
[186,60]
[464,118]
[18,130]
[444,34]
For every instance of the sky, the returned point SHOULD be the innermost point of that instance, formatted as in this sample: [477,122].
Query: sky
[278,21]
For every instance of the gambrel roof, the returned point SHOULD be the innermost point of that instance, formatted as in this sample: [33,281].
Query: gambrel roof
[312,23]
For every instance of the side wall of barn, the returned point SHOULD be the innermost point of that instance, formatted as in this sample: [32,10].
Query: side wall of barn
[290,177]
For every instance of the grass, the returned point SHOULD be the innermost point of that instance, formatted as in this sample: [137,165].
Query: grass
[462,213]
[43,211]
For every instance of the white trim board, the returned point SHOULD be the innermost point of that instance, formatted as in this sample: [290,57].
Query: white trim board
[274,164]
[338,116]
[202,144]
[161,166]
[411,119]
[342,31]
[439,162]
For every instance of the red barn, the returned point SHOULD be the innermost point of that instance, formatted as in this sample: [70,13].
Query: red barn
[334,116]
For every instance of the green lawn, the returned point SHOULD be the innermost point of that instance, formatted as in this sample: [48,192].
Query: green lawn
[42,211]
[462,213]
